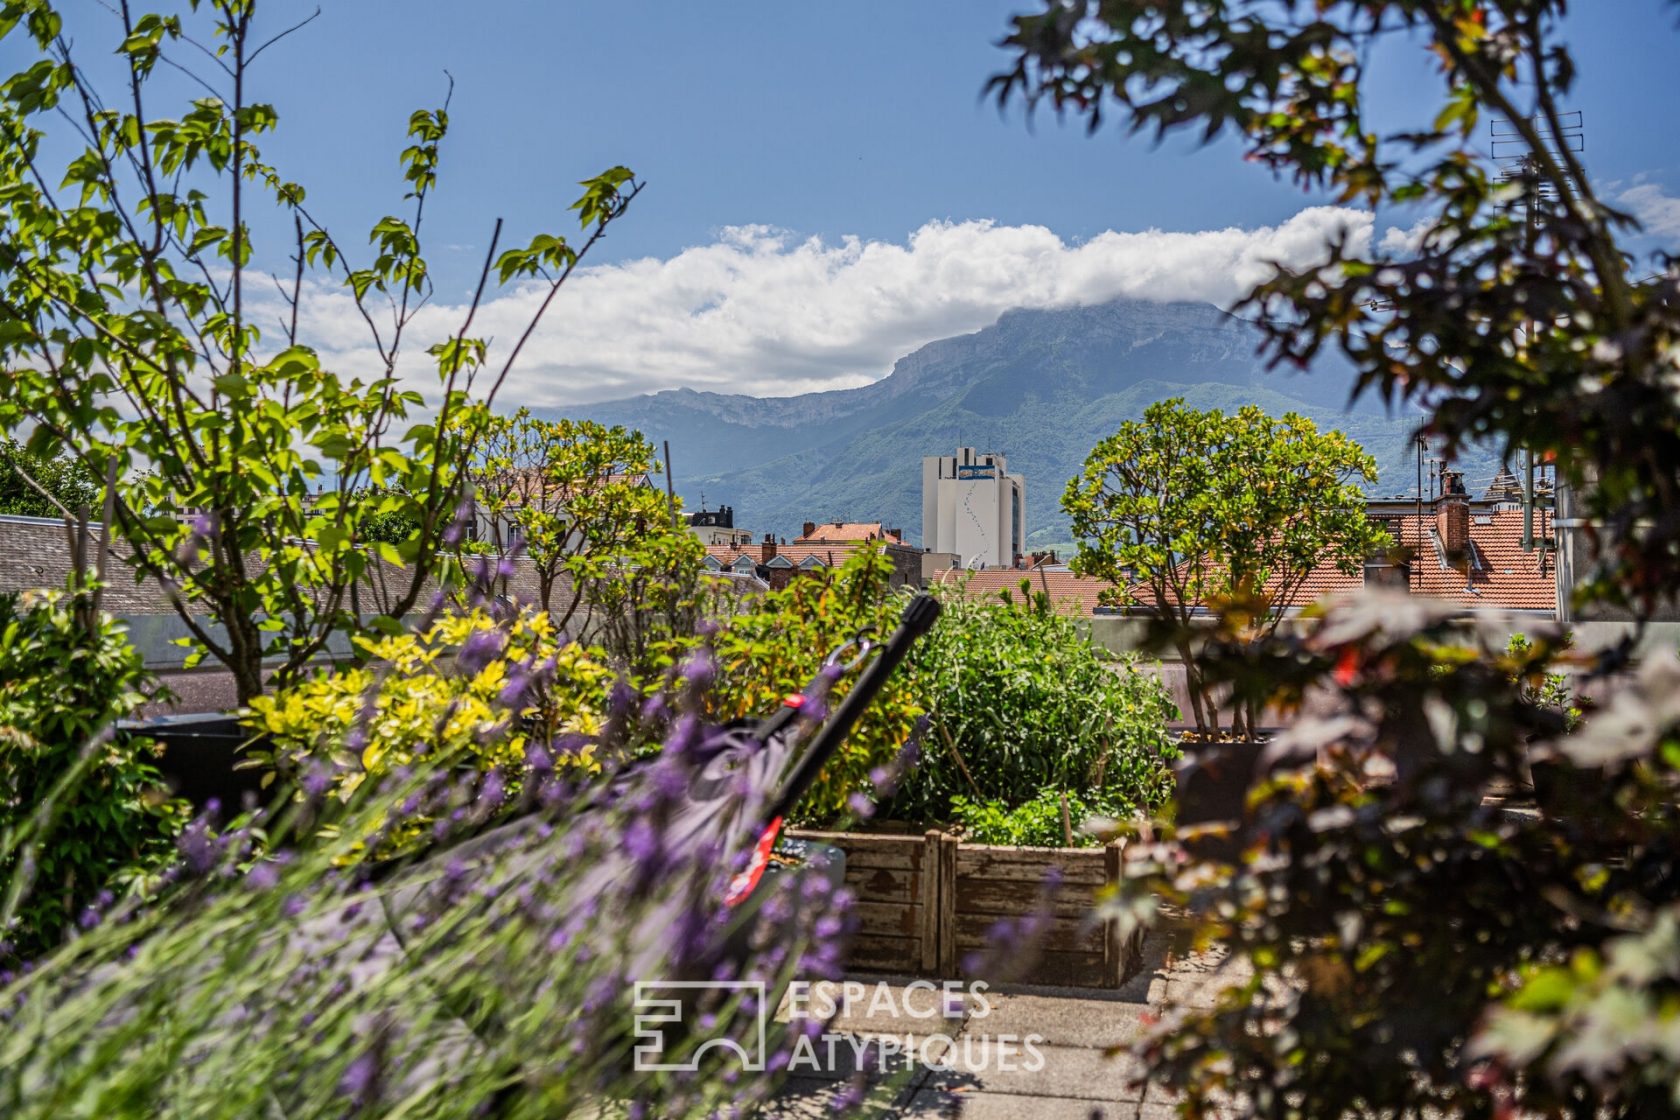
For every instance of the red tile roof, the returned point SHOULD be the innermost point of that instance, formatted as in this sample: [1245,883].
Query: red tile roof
[832,553]
[850,531]
[1501,576]
[1066,590]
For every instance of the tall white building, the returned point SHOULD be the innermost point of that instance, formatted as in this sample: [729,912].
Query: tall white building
[973,506]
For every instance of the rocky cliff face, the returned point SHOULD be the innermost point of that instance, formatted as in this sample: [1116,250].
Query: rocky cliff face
[1041,386]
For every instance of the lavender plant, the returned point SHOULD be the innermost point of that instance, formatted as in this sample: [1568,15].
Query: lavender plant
[285,969]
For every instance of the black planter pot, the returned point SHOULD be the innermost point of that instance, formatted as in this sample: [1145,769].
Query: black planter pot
[1213,780]
[199,753]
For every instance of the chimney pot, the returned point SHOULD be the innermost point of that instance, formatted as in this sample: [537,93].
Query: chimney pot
[1452,516]
[810,529]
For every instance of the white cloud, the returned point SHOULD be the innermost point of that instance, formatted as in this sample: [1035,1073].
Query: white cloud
[759,311]
[1397,242]
[1657,212]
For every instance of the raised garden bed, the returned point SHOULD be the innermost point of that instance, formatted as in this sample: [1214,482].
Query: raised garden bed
[925,903]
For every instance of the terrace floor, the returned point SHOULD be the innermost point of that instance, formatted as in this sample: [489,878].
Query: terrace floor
[978,1070]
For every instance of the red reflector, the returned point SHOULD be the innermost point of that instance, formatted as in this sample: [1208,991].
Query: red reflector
[745,883]
[797,700]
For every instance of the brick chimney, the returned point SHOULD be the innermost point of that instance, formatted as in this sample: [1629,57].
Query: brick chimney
[767,550]
[1452,516]
[810,529]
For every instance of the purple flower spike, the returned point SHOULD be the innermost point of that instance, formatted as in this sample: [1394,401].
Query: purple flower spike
[700,671]
[316,780]
[537,759]
[479,650]
[360,1082]
[263,876]
[513,692]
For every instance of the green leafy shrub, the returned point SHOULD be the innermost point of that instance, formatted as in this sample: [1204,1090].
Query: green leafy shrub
[1020,702]
[468,689]
[69,482]
[61,689]
[1038,823]
[1546,690]
[776,646]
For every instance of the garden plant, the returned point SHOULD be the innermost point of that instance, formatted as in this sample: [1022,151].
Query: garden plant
[1186,509]
[299,962]
[1022,709]
[779,642]
[573,500]
[1414,948]
[138,338]
[96,799]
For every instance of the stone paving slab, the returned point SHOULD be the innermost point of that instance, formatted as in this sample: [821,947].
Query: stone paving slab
[935,1104]
[987,1073]
[804,1098]
[1091,1023]
[992,1065]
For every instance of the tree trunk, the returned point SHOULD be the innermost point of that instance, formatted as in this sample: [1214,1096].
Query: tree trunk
[1201,704]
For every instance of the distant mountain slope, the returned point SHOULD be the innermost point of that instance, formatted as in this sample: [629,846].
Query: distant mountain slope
[1040,386]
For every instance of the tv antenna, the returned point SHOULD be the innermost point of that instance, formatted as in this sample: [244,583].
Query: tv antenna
[1540,201]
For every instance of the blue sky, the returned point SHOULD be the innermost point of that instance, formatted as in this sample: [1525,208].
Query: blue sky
[860,117]
[760,126]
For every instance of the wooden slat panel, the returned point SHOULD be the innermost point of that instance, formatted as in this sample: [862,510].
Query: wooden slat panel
[862,841]
[1062,967]
[1119,954]
[1062,934]
[885,954]
[889,919]
[932,902]
[947,907]
[1008,899]
[874,859]
[1030,865]
[882,885]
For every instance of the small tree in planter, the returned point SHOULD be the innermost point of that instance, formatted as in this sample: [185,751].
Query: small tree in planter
[1186,508]
[570,498]
[132,296]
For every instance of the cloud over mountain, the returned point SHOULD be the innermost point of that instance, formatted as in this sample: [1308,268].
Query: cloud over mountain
[1658,212]
[760,311]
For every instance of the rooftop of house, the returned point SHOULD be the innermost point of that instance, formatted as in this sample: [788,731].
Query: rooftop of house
[831,554]
[1077,594]
[1493,572]
[848,531]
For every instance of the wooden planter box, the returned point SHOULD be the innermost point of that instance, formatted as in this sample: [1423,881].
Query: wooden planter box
[925,903]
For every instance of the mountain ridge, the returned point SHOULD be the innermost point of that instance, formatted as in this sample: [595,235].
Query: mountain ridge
[1041,386]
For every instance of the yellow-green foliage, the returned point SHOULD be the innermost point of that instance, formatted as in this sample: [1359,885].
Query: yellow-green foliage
[777,646]
[445,691]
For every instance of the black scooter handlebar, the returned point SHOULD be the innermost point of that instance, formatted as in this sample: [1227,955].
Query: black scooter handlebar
[918,618]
